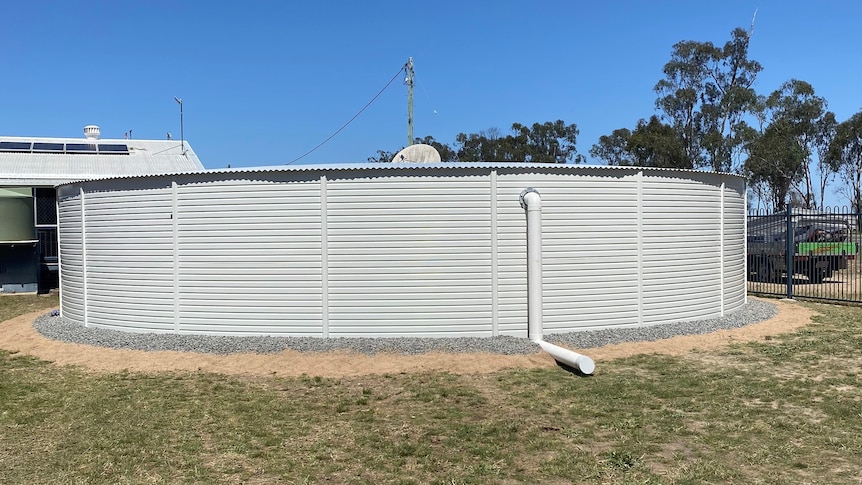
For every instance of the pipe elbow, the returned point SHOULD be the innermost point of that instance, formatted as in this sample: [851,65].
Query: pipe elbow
[531,200]
[572,359]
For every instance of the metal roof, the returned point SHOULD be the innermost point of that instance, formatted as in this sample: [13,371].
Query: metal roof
[441,166]
[146,157]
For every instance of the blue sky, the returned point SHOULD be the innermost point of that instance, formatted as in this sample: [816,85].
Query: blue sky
[264,82]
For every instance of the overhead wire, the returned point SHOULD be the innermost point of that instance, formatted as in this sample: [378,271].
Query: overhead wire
[350,120]
[426,94]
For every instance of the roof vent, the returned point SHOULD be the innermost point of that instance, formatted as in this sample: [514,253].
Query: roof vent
[92,132]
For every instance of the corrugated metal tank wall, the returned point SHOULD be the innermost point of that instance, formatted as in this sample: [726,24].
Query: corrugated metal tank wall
[408,251]
[70,232]
[129,256]
[734,285]
[681,249]
[249,256]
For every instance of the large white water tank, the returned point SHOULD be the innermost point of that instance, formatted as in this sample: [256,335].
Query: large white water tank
[390,250]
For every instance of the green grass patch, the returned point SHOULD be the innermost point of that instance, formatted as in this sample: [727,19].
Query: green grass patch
[14,305]
[787,409]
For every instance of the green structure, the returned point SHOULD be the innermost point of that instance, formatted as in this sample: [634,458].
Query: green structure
[19,255]
[16,212]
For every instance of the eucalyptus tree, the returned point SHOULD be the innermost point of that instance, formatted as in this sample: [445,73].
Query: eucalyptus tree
[549,142]
[775,163]
[651,144]
[801,112]
[824,134]
[614,148]
[706,95]
[845,156]
[704,99]
[794,129]
[474,147]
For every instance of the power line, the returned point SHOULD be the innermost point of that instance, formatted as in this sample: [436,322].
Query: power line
[426,95]
[349,121]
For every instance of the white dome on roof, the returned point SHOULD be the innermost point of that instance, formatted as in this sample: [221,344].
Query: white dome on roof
[92,132]
[417,153]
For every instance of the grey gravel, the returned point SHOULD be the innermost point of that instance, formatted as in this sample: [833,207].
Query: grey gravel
[58,328]
[754,311]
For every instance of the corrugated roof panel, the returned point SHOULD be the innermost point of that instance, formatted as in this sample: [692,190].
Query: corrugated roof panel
[145,157]
[598,170]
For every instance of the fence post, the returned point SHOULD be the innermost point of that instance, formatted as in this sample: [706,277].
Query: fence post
[789,251]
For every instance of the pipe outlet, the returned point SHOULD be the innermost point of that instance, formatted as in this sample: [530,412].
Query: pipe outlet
[572,359]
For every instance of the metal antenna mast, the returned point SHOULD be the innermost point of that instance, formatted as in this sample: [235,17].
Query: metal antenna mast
[408,80]
[182,134]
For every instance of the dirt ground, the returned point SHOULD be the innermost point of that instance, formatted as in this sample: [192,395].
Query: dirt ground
[18,335]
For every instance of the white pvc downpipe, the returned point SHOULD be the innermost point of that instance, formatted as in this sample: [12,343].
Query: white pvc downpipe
[532,203]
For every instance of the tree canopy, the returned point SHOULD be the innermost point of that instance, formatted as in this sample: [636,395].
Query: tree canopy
[845,156]
[709,117]
[548,142]
[704,98]
[651,144]
[780,157]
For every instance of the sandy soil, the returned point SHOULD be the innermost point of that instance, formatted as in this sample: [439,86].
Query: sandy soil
[18,335]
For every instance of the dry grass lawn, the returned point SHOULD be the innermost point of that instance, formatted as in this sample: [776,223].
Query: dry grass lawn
[772,403]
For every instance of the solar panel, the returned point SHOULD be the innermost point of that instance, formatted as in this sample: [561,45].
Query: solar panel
[44,147]
[81,148]
[49,147]
[113,149]
[14,146]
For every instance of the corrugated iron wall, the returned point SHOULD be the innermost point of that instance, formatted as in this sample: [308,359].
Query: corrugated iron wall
[129,257]
[71,248]
[408,252]
[249,257]
[734,287]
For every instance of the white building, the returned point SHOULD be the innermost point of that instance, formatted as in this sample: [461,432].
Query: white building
[30,167]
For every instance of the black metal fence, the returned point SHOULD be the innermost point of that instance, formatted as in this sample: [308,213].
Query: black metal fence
[49,269]
[802,253]
[47,243]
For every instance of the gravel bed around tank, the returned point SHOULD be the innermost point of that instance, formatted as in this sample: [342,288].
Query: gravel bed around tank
[754,311]
[57,328]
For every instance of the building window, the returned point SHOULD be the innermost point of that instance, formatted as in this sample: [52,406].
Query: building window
[46,206]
